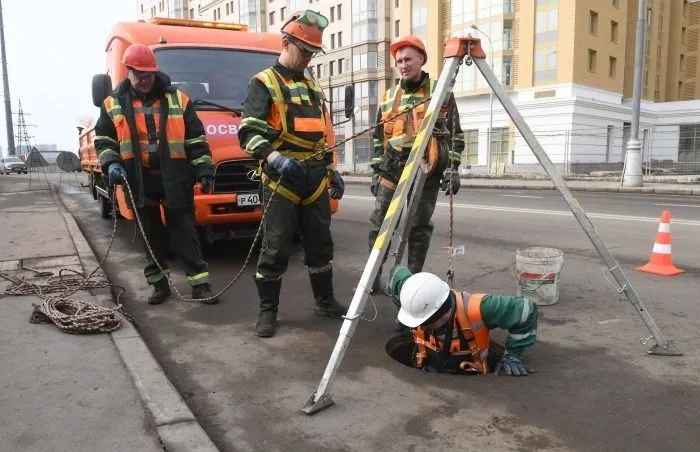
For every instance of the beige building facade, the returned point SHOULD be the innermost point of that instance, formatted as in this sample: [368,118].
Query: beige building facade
[567,64]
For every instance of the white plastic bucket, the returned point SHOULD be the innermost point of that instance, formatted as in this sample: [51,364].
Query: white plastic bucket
[537,273]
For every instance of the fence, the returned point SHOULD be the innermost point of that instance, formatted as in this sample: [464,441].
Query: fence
[576,150]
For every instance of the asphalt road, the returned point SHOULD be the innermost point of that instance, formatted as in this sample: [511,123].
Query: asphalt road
[596,388]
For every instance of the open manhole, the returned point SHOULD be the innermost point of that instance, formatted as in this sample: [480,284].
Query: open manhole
[402,349]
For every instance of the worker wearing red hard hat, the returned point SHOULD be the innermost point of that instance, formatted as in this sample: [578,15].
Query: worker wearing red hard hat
[287,127]
[394,137]
[130,145]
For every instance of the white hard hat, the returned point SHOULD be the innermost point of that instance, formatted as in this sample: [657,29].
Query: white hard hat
[421,296]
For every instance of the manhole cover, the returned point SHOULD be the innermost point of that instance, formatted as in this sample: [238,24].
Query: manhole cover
[402,349]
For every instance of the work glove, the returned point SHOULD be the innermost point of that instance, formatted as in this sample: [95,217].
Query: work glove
[374,186]
[511,365]
[337,185]
[450,181]
[115,174]
[289,168]
[206,183]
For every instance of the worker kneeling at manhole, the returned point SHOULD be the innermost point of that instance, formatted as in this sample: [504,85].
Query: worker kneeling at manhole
[433,312]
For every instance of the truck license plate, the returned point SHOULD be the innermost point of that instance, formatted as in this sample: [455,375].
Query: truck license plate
[248,199]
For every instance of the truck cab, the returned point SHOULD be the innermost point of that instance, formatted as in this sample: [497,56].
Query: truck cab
[213,63]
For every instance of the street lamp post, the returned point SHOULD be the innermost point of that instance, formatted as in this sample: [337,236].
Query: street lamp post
[488,139]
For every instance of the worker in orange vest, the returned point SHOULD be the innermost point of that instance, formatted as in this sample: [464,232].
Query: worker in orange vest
[393,139]
[287,128]
[434,312]
[131,144]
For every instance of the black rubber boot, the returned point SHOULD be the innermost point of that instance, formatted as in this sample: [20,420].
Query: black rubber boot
[161,292]
[326,304]
[269,293]
[204,291]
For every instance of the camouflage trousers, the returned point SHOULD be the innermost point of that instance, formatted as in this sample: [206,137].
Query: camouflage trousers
[421,228]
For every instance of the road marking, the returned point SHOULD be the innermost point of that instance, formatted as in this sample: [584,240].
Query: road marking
[522,196]
[562,213]
[678,205]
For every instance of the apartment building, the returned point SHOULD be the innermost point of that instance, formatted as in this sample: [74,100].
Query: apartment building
[569,67]
[567,64]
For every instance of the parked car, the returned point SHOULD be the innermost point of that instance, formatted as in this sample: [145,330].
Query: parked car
[10,165]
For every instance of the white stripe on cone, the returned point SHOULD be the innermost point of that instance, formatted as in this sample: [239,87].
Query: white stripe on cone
[664,227]
[661,249]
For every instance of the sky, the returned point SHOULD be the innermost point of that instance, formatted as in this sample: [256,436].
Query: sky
[54,47]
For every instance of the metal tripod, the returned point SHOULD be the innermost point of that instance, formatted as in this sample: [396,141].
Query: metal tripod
[457,51]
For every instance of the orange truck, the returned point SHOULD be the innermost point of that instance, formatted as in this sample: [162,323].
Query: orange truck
[212,62]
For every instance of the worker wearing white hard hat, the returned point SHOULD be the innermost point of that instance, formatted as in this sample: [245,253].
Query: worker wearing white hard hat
[433,312]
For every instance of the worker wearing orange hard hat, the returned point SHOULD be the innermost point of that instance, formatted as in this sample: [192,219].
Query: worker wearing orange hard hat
[132,144]
[287,127]
[394,137]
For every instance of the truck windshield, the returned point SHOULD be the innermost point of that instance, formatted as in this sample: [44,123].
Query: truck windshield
[214,75]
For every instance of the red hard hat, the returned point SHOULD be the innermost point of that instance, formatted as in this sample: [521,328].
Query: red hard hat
[410,41]
[141,58]
[306,27]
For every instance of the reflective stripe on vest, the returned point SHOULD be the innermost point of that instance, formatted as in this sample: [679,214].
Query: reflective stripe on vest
[400,131]
[468,321]
[298,132]
[174,126]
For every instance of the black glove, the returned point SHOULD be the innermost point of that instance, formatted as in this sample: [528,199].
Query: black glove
[207,183]
[512,366]
[450,181]
[374,186]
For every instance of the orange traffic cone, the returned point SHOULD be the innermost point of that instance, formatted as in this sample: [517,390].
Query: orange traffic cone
[661,262]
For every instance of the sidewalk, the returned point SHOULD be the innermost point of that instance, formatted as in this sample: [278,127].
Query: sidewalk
[74,392]
[604,186]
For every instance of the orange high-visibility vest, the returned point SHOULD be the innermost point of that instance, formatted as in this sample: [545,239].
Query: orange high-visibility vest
[174,127]
[473,347]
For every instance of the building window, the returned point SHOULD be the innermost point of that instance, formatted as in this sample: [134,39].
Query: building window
[397,27]
[366,60]
[283,13]
[612,71]
[331,69]
[341,62]
[333,41]
[319,74]
[364,20]
[471,147]
[419,17]
[593,23]
[545,64]
[615,3]
[272,17]
[332,13]
[396,3]
[340,39]
[191,13]
[546,25]
[340,11]
[228,11]
[613,31]
[500,144]
[592,57]
[507,70]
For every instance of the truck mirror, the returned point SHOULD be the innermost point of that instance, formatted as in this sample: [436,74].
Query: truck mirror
[349,100]
[101,87]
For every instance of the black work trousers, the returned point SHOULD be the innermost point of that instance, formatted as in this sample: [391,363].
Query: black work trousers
[283,218]
[181,230]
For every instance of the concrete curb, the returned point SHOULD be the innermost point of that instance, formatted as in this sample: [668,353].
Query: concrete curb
[178,429]
[639,190]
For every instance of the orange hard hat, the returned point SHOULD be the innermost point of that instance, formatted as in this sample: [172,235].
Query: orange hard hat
[141,58]
[306,29]
[411,41]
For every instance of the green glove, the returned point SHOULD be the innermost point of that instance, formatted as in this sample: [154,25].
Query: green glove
[397,276]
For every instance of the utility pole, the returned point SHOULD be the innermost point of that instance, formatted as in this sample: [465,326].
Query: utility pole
[6,87]
[632,177]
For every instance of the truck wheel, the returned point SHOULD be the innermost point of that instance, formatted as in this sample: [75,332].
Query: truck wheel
[105,207]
